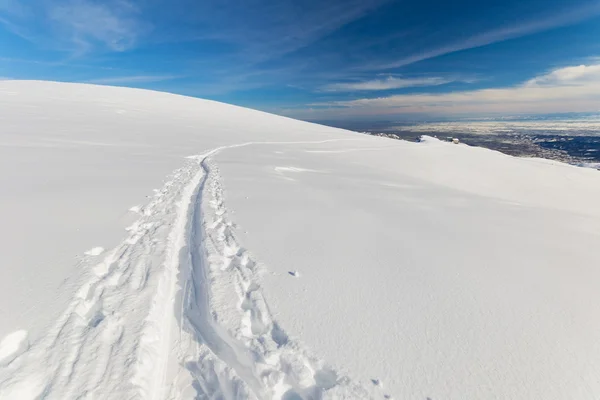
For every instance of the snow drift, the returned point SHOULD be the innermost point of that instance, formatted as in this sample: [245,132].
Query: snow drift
[280,259]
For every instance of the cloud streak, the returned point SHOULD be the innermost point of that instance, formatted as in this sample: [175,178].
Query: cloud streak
[267,30]
[75,26]
[388,83]
[566,18]
[112,25]
[575,88]
[17,30]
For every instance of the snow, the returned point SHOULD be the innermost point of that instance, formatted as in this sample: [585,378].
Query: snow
[96,251]
[12,346]
[280,259]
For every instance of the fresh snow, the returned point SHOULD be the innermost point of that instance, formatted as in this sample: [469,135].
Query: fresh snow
[280,259]
[12,346]
[96,251]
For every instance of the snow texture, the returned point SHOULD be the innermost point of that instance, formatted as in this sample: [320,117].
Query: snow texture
[12,346]
[281,259]
[96,251]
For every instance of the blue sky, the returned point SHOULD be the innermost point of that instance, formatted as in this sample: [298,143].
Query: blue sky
[335,59]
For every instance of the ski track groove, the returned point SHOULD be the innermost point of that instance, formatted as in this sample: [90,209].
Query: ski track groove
[155,319]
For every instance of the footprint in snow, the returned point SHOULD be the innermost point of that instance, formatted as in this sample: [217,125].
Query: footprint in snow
[378,383]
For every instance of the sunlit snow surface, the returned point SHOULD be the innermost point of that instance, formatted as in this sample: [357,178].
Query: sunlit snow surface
[163,247]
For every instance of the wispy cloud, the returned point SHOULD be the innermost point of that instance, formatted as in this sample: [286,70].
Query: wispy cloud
[61,64]
[386,84]
[13,7]
[12,15]
[266,30]
[85,23]
[134,79]
[16,29]
[564,18]
[575,88]
[75,26]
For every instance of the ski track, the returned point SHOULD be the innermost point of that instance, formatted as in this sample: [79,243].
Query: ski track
[156,320]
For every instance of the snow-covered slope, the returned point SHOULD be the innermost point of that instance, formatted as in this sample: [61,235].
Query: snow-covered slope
[278,259]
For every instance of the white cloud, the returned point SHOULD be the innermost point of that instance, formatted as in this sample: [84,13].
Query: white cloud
[569,89]
[576,75]
[386,84]
[86,24]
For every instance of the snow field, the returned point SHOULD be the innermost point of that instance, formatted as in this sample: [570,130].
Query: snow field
[146,327]
[285,260]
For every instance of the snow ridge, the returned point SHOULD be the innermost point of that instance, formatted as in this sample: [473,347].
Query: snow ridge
[175,311]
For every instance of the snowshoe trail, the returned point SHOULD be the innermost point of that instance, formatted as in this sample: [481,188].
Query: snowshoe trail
[156,320]
[108,342]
